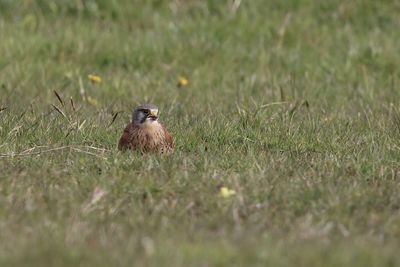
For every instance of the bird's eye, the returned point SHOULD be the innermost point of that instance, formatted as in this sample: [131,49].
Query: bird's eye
[146,112]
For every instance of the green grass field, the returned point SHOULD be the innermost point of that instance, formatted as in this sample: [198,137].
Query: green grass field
[292,104]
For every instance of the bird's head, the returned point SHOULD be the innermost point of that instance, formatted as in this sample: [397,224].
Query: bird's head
[143,114]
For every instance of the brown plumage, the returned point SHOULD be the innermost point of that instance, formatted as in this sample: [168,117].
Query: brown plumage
[144,133]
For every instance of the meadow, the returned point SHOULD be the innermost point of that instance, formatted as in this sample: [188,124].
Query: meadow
[294,105]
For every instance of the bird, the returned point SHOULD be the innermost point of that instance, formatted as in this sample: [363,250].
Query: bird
[145,133]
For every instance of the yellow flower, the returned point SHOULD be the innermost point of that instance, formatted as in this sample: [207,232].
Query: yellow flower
[226,192]
[182,81]
[93,101]
[94,78]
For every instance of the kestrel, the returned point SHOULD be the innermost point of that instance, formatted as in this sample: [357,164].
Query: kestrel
[144,133]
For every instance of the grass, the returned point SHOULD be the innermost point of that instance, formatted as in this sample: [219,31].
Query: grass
[294,105]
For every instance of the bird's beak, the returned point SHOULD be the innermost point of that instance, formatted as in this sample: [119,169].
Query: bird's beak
[153,114]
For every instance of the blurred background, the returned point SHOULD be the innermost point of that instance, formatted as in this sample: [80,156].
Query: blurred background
[230,51]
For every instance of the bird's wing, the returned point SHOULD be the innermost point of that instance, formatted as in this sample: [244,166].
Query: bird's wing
[125,142]
[168,138]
